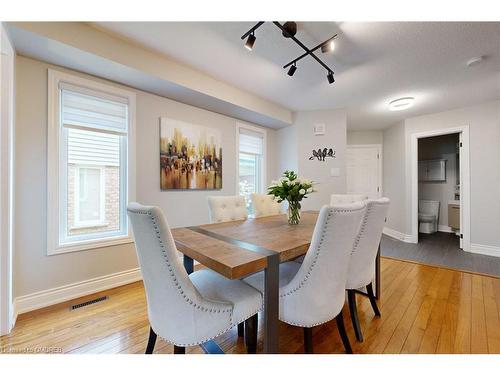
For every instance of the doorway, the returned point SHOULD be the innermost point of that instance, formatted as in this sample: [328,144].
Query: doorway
[364,170]
[435,174]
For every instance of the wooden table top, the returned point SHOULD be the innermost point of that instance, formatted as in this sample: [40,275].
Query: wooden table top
[239,248]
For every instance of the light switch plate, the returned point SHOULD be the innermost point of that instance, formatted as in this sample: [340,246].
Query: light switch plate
[319,129]
[335,172]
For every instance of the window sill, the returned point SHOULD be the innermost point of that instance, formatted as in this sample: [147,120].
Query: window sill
[89,226]
[90,244]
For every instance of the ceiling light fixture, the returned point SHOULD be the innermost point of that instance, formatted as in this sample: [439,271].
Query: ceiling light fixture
[292,70]
[401,103]
[289,29]
[330,77]
[474,61]
[250,41]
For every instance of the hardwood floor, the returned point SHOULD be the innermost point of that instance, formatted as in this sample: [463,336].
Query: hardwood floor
[425,309]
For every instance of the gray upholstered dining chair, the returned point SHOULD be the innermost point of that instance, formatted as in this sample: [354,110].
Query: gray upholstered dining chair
[313,292]
[185,310]
[227,208]
[363,257]
[265,205]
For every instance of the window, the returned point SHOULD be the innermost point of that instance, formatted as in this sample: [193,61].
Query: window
[251,145]
[90,163]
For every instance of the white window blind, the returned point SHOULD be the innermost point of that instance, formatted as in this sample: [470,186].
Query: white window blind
[89,147]
[85,108]
[251,142]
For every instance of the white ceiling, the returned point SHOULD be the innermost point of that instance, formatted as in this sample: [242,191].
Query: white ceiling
[373,63]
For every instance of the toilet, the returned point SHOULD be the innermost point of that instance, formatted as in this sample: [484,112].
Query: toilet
[428,216]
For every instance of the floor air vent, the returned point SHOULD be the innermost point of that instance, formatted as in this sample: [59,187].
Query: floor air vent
[86,303]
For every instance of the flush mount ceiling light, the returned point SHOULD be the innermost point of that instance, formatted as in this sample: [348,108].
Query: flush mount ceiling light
[288,30]
[401,103]
[475,61]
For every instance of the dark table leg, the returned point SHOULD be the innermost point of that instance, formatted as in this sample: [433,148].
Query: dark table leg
[188,264]
[377,274]
[271,304]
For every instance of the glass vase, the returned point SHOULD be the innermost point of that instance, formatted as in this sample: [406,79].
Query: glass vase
[293,213]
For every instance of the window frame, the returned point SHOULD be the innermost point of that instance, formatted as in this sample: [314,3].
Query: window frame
[56,169]
[263,177]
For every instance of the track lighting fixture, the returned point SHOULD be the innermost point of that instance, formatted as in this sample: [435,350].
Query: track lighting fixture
[289,30]
[292,70]
[250,42]
[330,77]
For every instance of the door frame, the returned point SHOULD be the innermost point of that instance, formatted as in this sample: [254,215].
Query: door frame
[7,313]
[464,163]
[379,148]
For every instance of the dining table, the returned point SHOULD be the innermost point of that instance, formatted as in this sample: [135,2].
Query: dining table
[237,249]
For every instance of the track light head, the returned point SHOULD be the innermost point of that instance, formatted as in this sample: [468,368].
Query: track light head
[328,47]
[292,70]
[330,77]
[250,42]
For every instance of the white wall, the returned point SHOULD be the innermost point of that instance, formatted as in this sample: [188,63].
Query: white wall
[35,271]
[319,171]
[365,137]
[484,124]
[7,98]
[394,175]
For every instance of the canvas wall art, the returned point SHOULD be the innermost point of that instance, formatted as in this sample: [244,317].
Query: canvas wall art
[190,156]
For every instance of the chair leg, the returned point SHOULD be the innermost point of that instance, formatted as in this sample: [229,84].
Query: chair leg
[308,340]
[151,341]
[373,301]
[343,334]
[251,333]
[241,329]
[179,349]
[353,309]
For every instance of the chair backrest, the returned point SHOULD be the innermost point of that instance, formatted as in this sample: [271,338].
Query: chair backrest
[265,205]
[227,208]
[316,294]
[364,252]
[177,312]
[336,199]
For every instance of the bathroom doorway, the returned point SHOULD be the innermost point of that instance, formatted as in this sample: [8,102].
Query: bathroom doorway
[440,188]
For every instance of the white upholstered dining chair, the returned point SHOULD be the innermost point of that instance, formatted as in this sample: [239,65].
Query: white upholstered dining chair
[363,257]
[346,198]
[265,205]
[313,292]
[185,310]
[227,208]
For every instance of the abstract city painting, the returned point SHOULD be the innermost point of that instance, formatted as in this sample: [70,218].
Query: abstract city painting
[190,156]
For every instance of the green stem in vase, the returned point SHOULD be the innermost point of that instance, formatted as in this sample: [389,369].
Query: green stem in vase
[293,213]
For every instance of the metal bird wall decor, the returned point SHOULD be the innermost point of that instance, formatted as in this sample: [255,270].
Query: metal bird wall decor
[321,154]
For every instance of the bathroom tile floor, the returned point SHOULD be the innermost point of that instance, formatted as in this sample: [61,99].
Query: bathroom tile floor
[440,249]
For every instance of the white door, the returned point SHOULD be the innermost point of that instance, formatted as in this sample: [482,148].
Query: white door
[364,170]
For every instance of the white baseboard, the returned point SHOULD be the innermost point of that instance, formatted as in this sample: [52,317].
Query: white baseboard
[53,296]
[399,236]
[445,228]
[485,249]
